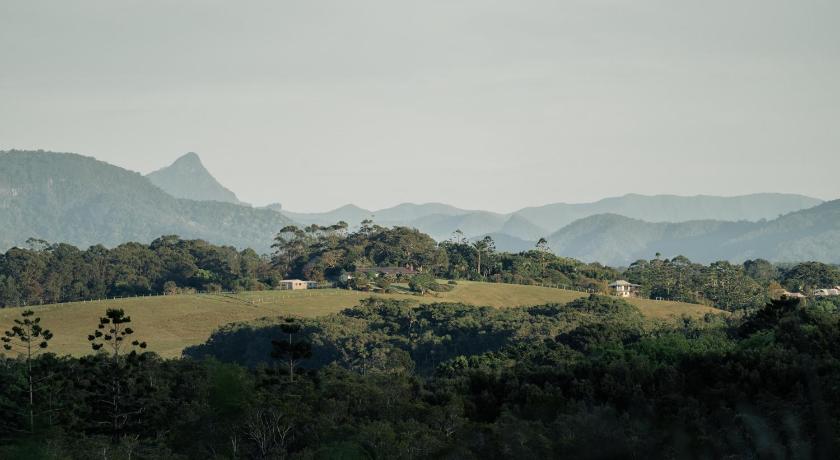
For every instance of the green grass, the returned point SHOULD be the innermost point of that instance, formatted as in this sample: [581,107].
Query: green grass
[171,323]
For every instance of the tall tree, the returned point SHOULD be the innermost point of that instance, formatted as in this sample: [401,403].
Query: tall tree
[484,245]
[116,333]
[112,334]
[29,339]
[544,250]
[289,244]
[290,350]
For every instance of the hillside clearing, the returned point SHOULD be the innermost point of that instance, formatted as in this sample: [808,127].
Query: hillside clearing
[171,323]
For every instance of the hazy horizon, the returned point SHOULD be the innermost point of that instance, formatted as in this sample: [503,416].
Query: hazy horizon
[482,105]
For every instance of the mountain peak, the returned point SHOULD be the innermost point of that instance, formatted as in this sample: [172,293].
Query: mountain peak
[188,158]
[187,178]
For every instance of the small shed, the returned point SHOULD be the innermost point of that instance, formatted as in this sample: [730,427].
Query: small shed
[294,285]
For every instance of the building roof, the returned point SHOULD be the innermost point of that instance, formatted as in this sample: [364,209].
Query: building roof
[292,281]
[623,283]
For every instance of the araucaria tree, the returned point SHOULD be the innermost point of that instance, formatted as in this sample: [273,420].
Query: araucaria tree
[115,335]
[289,350]
[120,390]
[28,338]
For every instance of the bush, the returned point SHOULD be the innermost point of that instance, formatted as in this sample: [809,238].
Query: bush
[422,283]
[170,288]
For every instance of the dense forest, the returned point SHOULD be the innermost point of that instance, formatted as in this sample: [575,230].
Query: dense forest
[51,273]
[587,380]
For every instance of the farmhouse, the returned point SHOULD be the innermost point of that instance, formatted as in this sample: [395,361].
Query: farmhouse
[624,288]
[297,284]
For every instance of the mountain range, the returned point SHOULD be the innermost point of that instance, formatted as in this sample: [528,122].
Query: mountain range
[529,224]
[808,234]
[62,197]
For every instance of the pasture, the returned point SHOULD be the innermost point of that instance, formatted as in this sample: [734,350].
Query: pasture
[171,323]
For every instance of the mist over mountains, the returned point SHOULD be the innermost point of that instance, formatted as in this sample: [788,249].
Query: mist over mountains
[440,220]
[62,197]
[808,234]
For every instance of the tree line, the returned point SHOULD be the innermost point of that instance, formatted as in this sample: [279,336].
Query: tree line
[319,252]
[50,273]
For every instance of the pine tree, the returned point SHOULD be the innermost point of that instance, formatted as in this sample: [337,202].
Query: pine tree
[289,350]
[29,339]
[112,337]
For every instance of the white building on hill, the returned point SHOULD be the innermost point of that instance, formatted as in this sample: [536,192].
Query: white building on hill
[296,284]
[624,288]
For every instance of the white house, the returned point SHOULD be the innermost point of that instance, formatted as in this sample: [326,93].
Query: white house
[624,288]
[294,284]
[298,284]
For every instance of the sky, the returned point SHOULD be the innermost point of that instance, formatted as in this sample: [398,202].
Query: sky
[482,104]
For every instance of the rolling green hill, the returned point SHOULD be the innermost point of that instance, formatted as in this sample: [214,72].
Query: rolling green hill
[171,323]
[63,197]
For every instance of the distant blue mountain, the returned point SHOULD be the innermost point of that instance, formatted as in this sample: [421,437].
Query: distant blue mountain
[529,224]
[188,178]
[810,234]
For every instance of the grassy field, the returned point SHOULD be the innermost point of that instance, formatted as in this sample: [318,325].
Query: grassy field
[171,323]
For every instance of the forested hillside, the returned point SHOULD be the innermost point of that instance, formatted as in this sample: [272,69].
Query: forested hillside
[809,234]
[63,197]
[590,379]
[63,273]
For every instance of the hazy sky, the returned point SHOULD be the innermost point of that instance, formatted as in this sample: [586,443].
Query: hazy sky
[481,104]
